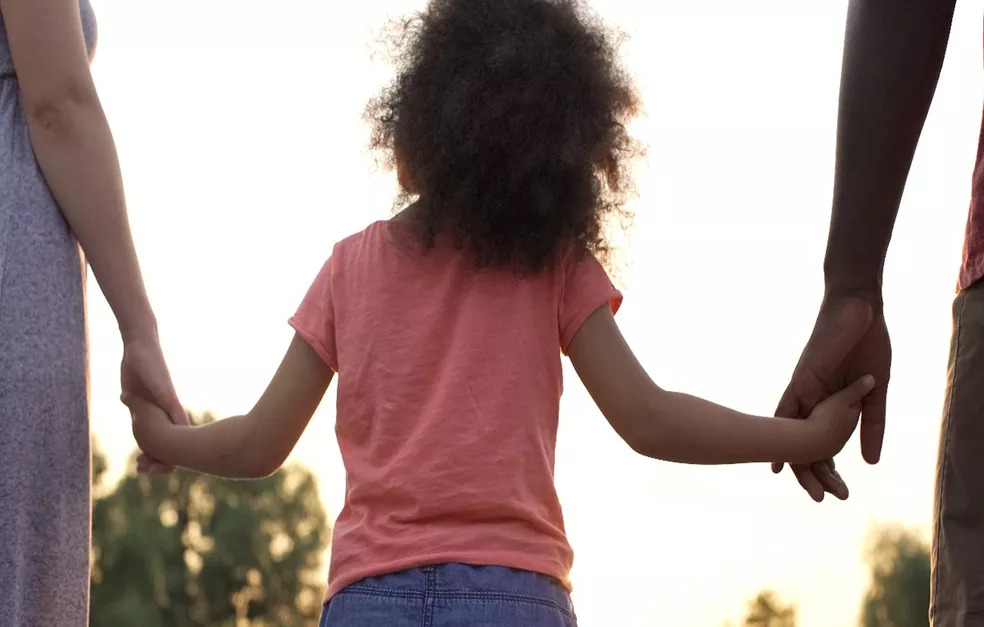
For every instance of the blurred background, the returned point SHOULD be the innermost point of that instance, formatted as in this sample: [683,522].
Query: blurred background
[244,156]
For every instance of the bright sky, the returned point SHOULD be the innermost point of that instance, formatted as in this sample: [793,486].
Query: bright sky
[243,150]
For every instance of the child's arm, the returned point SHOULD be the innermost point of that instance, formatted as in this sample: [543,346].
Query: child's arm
[253,445]
[682,428]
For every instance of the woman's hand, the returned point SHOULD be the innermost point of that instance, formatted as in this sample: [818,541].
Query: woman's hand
[144,375]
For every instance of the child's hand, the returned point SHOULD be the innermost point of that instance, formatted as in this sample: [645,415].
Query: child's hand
[150,424]
[836,418]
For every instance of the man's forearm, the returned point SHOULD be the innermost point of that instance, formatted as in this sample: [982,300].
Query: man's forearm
[893,53]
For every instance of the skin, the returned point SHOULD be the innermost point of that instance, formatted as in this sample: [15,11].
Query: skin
[75,150]
[893,54]
[654,422]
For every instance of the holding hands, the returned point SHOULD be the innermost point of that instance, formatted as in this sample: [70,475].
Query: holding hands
[849,340]
[144,375]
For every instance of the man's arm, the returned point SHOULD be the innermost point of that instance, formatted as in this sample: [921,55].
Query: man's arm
[893,53]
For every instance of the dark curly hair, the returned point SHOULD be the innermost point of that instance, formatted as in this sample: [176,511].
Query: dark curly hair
[507,122]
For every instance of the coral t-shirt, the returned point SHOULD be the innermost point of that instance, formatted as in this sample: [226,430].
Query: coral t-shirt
[449,384]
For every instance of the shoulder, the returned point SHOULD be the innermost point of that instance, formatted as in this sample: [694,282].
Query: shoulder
[371,236]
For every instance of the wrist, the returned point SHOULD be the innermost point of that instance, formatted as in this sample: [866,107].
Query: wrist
[806,441]
[838,290]
[139,324]
[158,439]
[843,277]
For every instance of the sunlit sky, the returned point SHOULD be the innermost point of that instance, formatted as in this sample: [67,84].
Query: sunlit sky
[239,128]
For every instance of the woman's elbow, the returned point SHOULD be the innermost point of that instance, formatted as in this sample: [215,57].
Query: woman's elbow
[62,110]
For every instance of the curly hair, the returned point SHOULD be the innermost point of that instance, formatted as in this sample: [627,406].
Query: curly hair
[506,122]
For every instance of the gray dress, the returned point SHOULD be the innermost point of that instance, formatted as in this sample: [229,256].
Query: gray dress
[44,422]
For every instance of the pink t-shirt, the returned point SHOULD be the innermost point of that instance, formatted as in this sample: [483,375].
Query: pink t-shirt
[449,384]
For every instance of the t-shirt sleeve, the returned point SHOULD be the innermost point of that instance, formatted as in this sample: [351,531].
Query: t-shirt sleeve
[585,289]
[315,317]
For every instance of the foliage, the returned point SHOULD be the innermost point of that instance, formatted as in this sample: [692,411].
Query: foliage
[898,595]
[188,550]
[766,610]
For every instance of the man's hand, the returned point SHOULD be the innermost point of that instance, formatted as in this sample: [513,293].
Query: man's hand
[850,339]
[144,374]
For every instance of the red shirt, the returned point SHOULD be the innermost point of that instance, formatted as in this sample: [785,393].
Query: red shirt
[972,268]
[449,391]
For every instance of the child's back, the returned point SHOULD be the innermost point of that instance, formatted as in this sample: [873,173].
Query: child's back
[448,398]
[446,326]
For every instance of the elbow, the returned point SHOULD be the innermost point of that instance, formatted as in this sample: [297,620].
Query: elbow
[642,446]
[640,430]
[262,467]
[649,445]
[61,111]
[645,427]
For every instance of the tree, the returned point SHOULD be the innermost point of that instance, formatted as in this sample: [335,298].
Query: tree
[898,595]
[188,550]
[767,611]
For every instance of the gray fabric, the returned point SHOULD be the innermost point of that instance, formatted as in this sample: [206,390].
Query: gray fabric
[44,424]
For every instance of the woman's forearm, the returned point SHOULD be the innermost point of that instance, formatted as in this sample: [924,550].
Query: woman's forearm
[75,149]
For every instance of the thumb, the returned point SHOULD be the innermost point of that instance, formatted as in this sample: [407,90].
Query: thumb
[177,413]
[134,402]
[854,393]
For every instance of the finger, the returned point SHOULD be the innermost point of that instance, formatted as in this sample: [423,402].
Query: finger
[855,393]
[135,402]
[149,466]
[809,482]
[177,413]
[830,479]
[164,396]
[873,424]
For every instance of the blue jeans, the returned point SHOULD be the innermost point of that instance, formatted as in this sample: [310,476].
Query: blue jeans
[452,595]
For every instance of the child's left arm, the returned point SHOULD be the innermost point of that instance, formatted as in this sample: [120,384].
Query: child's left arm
[248,446]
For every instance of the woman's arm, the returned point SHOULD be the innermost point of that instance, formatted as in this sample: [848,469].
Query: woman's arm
[74,147]
[249,446]
[682,428]
[75,150]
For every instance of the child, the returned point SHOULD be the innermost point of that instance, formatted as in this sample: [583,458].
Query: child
[446,325]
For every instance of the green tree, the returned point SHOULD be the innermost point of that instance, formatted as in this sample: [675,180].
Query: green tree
[189,550]
[898,595]
[766,610]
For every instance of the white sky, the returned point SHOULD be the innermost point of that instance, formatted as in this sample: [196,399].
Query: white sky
[238,125]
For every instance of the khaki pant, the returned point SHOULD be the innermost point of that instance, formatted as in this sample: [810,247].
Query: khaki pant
[957,582]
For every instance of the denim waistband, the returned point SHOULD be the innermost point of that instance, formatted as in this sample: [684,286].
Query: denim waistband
[464,581]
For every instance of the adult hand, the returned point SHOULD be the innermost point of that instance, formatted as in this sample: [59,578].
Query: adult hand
[144,374]
[849,340]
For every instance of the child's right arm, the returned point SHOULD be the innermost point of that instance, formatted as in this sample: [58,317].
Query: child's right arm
[247,446]
[682,428]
